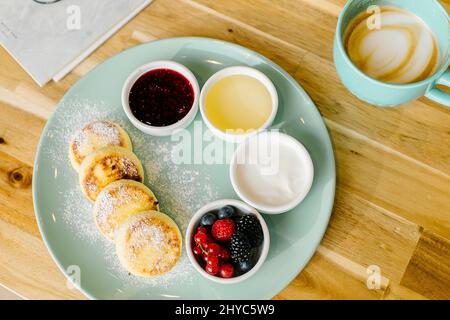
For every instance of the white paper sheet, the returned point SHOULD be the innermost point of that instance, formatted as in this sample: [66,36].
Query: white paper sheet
[49,40]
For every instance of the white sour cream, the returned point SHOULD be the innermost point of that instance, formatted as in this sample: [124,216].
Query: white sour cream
[272,171]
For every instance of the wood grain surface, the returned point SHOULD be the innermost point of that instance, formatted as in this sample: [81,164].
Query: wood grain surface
[392,208]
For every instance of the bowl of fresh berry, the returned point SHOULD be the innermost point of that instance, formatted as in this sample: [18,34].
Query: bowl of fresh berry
[227,241]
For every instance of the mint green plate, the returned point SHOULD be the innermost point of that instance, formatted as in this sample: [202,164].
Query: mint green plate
[65,218]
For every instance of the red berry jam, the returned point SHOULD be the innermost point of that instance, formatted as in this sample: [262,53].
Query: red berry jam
[161,97]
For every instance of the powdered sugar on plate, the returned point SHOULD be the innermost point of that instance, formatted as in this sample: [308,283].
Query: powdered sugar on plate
[180,189]
[104,132]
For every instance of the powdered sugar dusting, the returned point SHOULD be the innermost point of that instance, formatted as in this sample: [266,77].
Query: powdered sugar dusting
[181,189]
[117,196]
[158,236]
[103,132]
[145,234]
[104,206]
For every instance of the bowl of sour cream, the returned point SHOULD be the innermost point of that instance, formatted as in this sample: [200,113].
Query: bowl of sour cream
[272,171]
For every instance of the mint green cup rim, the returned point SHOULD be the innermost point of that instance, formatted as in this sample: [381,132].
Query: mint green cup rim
[327,205]
[338,40]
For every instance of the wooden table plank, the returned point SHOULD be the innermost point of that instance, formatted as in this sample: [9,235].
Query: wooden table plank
[390,181]
[393,164]
[19,140]
[15,194]
[294,22]
[428,272]
[330,276]
[398,292]
[27,267]
[373,236]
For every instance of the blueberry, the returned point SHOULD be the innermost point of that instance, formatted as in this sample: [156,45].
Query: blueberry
[245,265]
[208,219]
[226,212]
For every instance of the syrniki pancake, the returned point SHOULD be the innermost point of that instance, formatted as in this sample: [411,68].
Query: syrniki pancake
[107,165]
[94,136]
[149,244]
[118,201]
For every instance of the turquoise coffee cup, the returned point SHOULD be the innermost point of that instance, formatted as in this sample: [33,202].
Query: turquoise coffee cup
[386,94]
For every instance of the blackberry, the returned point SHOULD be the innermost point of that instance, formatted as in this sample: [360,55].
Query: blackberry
[240,247]
[249,225]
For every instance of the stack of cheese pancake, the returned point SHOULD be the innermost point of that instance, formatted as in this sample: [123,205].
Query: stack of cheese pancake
[148,242]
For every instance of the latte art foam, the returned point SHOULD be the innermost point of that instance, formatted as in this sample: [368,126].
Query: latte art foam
[403,50]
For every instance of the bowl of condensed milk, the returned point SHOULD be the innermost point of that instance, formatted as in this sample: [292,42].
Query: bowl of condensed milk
[237,102]
[272,171]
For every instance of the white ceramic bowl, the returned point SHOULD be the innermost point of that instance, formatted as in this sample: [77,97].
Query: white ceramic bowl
[239,70]
[164,130]
[305,162]
[243,208]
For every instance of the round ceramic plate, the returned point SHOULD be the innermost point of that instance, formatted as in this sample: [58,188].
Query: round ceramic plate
[185,172]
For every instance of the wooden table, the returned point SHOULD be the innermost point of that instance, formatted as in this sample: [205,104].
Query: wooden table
[392,207]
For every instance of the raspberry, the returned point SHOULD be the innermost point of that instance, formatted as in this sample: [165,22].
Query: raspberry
[222,230]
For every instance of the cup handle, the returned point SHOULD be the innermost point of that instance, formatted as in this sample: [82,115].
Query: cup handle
[440,96]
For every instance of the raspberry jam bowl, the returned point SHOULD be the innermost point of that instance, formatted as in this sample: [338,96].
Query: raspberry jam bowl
[227,241]
[161,97]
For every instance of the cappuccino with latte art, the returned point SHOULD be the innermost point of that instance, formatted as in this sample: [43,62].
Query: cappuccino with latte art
[398,48]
